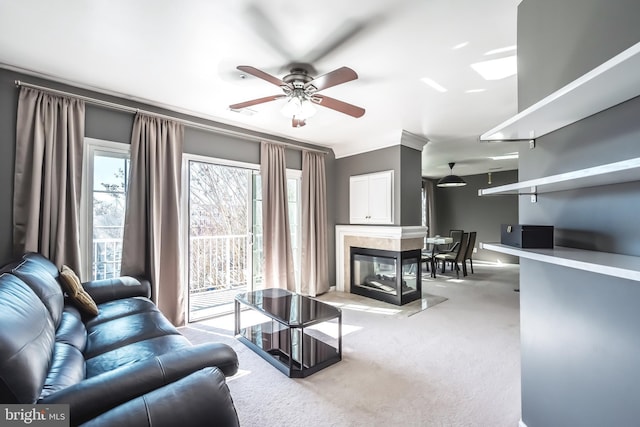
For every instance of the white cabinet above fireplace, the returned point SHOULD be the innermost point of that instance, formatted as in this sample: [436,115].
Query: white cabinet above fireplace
[371,198]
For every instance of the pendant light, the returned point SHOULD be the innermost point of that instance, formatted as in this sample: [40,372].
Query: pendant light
[451,180]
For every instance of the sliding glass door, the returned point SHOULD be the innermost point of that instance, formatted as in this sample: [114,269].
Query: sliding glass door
[224,253]
[220,237]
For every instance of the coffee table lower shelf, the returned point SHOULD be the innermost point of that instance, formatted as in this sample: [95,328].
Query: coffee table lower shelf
[271,341]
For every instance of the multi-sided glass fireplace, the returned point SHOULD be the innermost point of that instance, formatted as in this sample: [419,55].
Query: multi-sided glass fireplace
[388,276]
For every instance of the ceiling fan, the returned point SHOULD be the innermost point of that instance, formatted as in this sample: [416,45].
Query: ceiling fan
[301,90]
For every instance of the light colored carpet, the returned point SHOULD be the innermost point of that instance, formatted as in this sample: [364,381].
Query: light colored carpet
[349,301]
[455,364]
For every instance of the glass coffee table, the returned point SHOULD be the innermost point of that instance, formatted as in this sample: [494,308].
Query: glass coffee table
[286,339]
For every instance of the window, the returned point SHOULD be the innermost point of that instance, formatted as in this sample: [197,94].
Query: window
[295,208]
[105,181]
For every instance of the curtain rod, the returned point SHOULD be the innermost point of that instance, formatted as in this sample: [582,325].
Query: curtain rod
[121,107]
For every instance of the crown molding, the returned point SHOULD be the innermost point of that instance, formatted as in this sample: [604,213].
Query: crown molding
[407,139]
[411,140]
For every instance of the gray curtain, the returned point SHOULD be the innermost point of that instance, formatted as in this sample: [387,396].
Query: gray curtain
[278,268]
[48,176]
[315,258]
[430,208]
[151,242]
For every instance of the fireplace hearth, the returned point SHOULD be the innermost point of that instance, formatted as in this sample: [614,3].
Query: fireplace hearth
[390,276]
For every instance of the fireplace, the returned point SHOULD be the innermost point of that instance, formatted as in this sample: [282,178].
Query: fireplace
[390,276]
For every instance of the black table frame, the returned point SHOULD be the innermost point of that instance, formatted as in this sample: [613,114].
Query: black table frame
[280,357]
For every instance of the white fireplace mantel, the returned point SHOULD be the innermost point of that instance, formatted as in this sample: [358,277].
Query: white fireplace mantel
[380,237]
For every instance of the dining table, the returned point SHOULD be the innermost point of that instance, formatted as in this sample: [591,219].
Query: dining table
[436,241]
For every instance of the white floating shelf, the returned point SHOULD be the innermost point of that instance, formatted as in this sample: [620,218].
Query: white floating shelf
[607,85]
[609,264]
[611,173]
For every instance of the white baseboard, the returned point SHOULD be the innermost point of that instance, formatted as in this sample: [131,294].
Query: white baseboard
[521,424]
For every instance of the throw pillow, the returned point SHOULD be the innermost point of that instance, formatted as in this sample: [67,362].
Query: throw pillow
[72,285]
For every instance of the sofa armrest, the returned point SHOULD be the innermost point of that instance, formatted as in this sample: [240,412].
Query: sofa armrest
[97,395]
[120,287]
[200,399]
[199,356]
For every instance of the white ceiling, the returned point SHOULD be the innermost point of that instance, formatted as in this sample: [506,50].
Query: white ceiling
[183,54]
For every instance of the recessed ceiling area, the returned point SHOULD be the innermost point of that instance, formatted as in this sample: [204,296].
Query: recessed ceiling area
[184,55]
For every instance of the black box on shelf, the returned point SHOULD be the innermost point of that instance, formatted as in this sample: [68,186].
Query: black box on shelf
[527,236]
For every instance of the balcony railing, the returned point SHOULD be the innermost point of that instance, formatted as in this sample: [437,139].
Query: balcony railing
[218,266]
[107,256]
[218,262]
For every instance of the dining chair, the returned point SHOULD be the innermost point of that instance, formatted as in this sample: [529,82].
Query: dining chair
[469,253]
[456,235]
[456,257]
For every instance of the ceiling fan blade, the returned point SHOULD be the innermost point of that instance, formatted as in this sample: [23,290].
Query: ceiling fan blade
[267,30]
[298,123]
[348,30]
[341,106]
[256,101]
[335,77]
[261,75]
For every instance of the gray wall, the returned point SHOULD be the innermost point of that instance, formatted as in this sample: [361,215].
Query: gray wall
[410,186]
[462,208]
[406,164]
[114,125]
[8,102]
[565,39]
[579,334]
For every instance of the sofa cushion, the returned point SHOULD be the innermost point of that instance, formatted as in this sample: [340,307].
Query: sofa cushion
[119,308]
[67,368]
[27,339]
[43,261]
[36,272]
[126,330]
[72,285]
[71,329]
[133,353]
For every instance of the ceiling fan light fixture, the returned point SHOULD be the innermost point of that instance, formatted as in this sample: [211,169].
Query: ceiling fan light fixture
[291,107]
[300,91]
[307,109]
[451,180]
[299,108]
